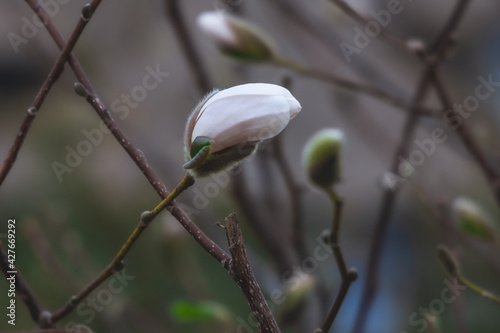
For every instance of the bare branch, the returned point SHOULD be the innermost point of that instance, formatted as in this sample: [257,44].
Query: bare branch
[54,74]
[241,271]
[433,56]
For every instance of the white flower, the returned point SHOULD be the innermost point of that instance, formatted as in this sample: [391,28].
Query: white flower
[237,118]
[236,37]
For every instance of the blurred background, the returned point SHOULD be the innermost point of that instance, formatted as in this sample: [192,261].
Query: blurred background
[70,225]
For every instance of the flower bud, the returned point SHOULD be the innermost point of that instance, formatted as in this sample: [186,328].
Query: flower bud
[226,126]
[236,37]
[472,220]
[322,157]
[448,260]
[298,291]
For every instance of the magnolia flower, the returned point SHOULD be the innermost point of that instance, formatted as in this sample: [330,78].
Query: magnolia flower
[236,37]
[322,157]
[472,219]
[227,125]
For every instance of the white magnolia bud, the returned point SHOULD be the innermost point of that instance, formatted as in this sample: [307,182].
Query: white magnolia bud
[236,37]
[322,157]
[473,220]
[227,125]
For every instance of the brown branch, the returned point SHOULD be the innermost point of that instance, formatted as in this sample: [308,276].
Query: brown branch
[467,137]
[23,290]
[443,217]
[174,15]
[432,57]
[296,13]
[389,197]
[347,276]
[54,74]
[295,191]
[136,155]
[241,271]
[116,264]
[346,84]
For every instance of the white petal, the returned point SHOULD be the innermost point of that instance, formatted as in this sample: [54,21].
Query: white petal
[216,26]
[248,112]
[242,118]
[255,89]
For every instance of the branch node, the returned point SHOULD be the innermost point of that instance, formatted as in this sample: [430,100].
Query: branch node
[326,236]
[45,319]
[118,267]
[416,45]
[352,275]
[146,217]
[87,12]
[73,300]
[80,90]
[32,111]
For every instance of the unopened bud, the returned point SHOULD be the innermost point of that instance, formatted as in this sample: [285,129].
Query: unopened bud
[448,260]
[473,220]
[322,157]
[236,37]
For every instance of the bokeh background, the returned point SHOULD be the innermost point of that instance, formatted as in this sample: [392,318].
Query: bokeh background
[67,231]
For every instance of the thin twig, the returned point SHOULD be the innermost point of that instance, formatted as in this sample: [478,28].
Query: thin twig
[450,264]
[241,271]
[467,137]
[174,15]
[295,190]
[116,264]
[54,74]
[434,54]
[319,33]
[344,83]
[271,241]
[136,155]
[442,214]
[347,276]
[463,131]
[23,290]
[389,197]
